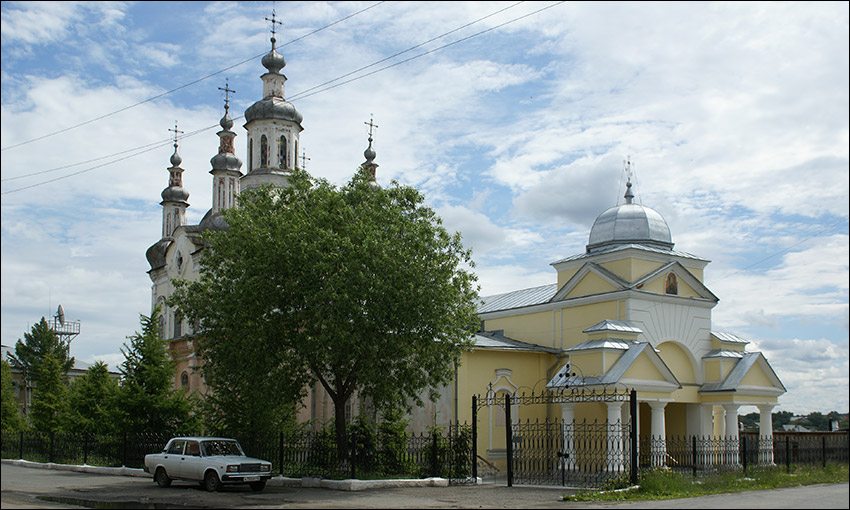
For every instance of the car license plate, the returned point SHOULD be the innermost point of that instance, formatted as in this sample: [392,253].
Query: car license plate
[252,478]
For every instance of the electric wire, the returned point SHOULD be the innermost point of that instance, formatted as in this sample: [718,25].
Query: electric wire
[185,85]
[301,94]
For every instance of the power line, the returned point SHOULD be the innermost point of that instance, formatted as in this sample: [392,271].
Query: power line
[302,94]
[183,86]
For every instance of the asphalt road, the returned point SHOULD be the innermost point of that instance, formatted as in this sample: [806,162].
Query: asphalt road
[22,486]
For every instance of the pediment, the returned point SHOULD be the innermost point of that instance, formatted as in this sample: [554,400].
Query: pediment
[590,279]
[752,374]
[685,279]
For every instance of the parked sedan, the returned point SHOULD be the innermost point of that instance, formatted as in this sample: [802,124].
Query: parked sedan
[212,461]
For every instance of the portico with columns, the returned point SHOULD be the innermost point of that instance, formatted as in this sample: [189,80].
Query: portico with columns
[633,313]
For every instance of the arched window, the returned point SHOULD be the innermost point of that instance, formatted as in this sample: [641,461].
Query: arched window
[282,155]
[296,153]
[264,152]
[672,285]
[250,154]
[184,380]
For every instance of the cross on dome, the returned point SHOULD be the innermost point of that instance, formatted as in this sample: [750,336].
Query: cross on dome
[227,91]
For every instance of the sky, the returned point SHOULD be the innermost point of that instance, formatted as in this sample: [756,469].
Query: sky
[513,119]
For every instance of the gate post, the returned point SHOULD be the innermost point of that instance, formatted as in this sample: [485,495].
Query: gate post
[475,438]
[633,410]
[510,440]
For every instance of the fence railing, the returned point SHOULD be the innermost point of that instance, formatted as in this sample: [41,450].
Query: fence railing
[446,453]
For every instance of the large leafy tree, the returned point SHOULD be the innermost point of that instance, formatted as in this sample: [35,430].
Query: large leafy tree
[10,417]
[357,287]
[147,398]
[93,401]
[30,352]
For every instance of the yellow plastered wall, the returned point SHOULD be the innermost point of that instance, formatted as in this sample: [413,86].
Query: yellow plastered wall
[587,363]
[676,419]
[643,368]
[565,275]
[534,328]
[697,272]
[589,285]
[609,358]
[578,318]
[713,371]
[756,377]
[631,269]
[477,369]
[677,361]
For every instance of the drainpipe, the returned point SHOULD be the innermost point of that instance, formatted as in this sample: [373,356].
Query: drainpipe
[558,358]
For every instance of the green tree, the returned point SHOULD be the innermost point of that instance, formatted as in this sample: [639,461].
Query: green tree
[358,287]
[36,345]
[147,400]
[10,416]
[93,401]
[50,399]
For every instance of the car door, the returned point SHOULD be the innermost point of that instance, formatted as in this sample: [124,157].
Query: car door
[190,465]
[173,458]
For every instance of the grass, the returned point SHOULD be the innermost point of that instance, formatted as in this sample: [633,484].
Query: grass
[659,484]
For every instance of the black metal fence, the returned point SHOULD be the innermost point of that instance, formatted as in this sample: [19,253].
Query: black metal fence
[445,453]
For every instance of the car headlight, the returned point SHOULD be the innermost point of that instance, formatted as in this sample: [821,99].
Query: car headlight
[233,468]
[265,467]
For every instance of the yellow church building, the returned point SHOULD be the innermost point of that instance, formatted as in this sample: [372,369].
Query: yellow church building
[629,313]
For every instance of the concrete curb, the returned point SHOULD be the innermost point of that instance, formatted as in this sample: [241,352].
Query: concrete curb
[98,470]
[279,481]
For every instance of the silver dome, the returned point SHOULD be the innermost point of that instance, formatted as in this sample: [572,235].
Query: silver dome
[273,108]
[175,194]
[225,161]
[156,253]
[630,224]
[213,221]
[273,61]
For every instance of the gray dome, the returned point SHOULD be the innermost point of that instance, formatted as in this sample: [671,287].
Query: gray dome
[629,224]
[175,194]
[273,108]
[273,61]
[225,161]
[156,253]
[213,221]
[175,158]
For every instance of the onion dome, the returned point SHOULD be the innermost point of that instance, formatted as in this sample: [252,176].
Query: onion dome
[273,61]
[273,108]
[225,159]
[175,158]
[175,194]
[156,253]
[629,223]
[213,221]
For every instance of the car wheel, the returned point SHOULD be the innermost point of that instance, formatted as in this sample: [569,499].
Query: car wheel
[211,481]
[257,486]
[162,478]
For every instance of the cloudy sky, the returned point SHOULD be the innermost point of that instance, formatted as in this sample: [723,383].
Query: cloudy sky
[514,119]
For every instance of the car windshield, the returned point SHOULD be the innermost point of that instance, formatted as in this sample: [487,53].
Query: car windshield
[221,447]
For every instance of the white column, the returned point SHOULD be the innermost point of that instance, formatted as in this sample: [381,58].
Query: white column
[658,449]
[720,421]
[615,437]
[568,430]
[731,432]
[765,440]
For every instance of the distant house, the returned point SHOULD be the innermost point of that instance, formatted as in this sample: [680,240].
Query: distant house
[794,428]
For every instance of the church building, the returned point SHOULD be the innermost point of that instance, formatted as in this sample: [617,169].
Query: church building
[631,312]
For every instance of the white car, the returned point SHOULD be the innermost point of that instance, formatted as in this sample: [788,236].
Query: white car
[213,461]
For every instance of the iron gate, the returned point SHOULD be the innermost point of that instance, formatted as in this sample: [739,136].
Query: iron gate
[553,452]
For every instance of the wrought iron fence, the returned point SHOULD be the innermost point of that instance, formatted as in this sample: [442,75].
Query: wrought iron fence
[573,454]
[445,453]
